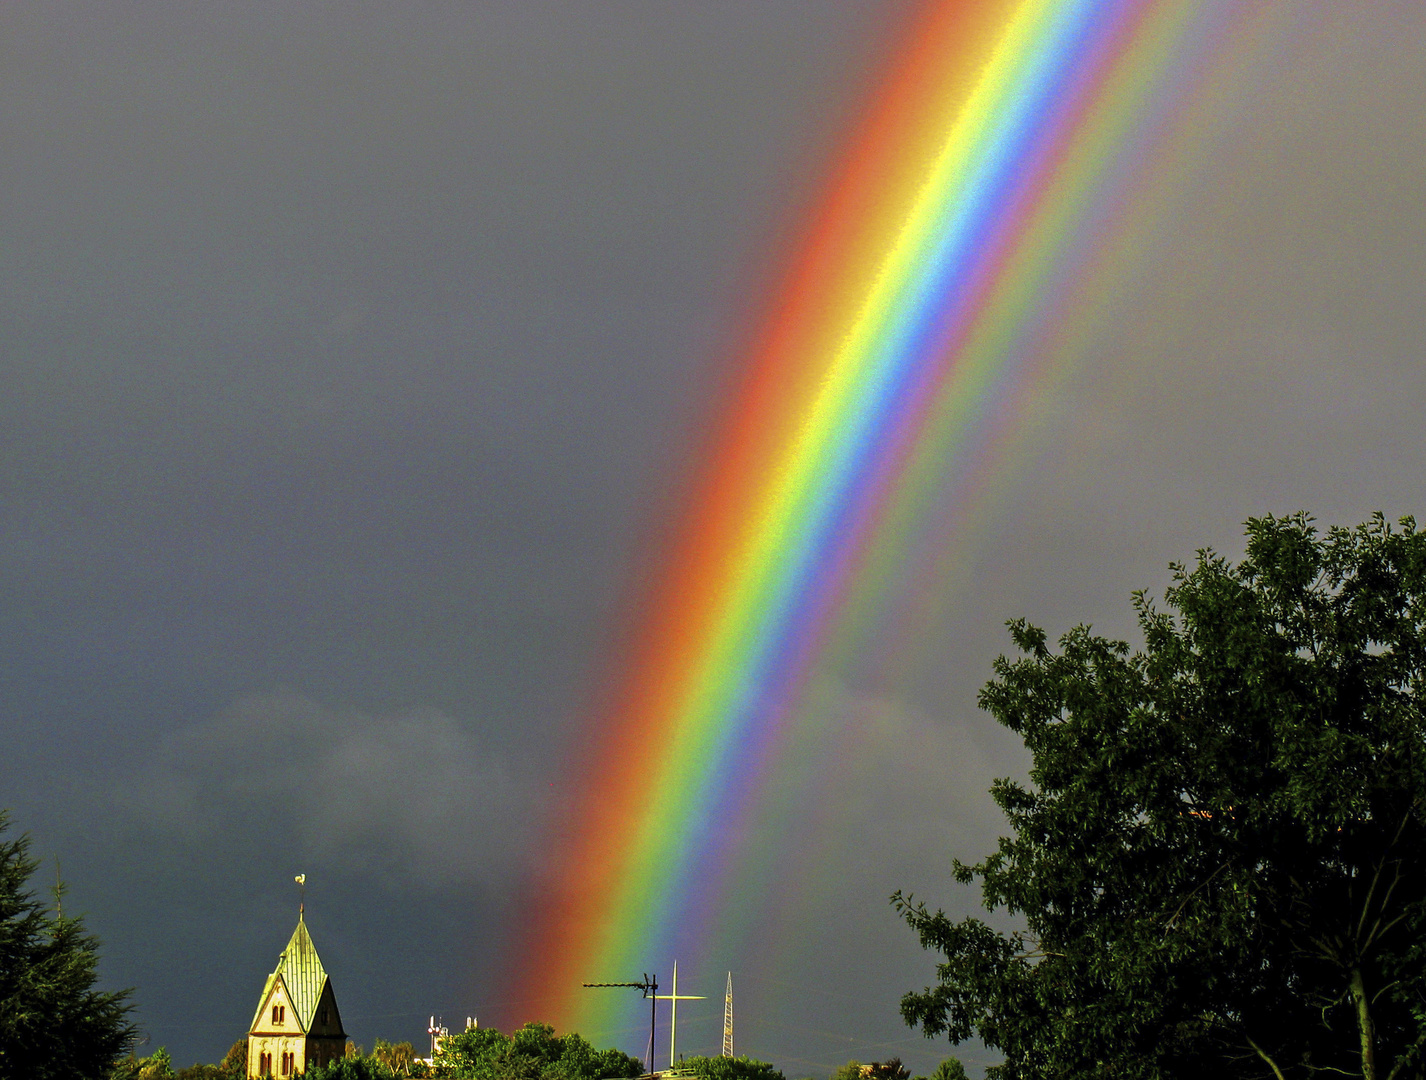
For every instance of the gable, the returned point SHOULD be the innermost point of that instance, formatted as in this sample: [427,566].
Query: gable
[277,1014]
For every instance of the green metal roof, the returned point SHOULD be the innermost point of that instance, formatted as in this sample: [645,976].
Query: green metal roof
[301,971]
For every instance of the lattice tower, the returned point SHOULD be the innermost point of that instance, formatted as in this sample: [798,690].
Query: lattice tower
[728,1019]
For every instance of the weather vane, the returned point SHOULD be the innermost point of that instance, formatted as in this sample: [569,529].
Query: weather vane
[301,880]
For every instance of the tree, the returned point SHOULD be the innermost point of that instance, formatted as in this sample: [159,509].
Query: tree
[351,1067]
[533,1052]
[950,1069]
[198,1071]
[53,1023]
[890,1069]
[398,1057]
[728,1068]
[1219,861]
[159,1066]
[235,1061]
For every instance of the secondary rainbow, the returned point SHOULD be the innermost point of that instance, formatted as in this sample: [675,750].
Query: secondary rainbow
[931,297]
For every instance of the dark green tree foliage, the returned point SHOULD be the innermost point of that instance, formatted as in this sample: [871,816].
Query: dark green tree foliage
[198,1071]
[53,1023]
[235,1061]
[728,1068]
[950,1069]
[890,1069]
[533,1052]
[1220,858]
[353,1067]
[398,1057]
[159,1066]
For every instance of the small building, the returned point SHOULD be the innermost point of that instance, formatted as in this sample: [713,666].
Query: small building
[297,1025]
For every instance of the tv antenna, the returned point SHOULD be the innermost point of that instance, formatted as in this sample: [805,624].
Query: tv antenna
[438,1033]
[650,988]
[675,998]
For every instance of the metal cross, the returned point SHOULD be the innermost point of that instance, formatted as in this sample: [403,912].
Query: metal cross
[675,998]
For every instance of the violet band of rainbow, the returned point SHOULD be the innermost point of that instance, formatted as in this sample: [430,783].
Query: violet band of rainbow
[887,381]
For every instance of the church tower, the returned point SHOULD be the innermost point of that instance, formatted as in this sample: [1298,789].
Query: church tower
[297,1025]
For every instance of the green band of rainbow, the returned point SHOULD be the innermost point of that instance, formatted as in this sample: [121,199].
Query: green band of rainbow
[833,514]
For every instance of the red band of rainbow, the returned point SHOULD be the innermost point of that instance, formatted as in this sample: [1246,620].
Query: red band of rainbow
[928,298]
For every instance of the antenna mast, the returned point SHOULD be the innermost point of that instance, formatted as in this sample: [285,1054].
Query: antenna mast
[728,1019]
[650,988]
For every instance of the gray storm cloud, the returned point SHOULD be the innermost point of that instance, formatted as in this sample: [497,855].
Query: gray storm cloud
[409,793]
[363,351]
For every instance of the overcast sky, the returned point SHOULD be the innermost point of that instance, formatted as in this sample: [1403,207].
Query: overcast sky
[349,356]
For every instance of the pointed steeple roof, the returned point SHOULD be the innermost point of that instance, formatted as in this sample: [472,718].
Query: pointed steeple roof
[300,969]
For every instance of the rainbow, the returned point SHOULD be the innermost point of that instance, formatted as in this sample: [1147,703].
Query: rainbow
[942,282]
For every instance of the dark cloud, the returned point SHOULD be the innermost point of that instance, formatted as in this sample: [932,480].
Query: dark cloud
[411,796]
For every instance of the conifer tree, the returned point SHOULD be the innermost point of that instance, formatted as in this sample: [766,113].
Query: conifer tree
[53,1022]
